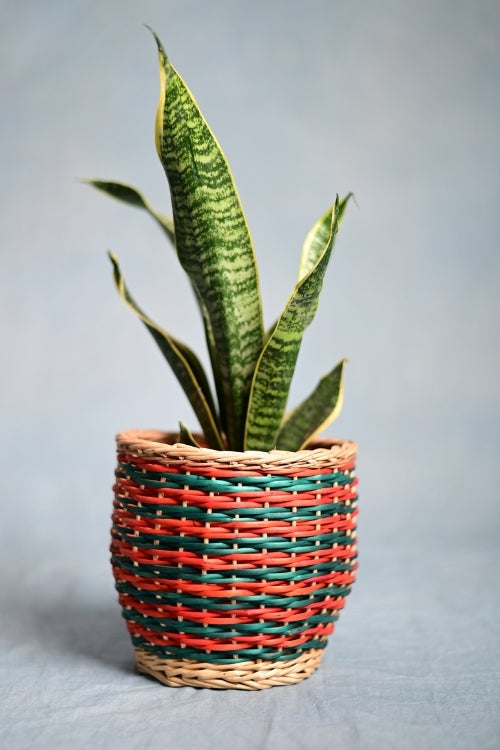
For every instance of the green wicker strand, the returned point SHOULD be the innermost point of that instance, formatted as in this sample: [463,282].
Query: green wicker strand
[238,602]
[229,575]
[238,484]
[240,545]
[235,657]
[227,515]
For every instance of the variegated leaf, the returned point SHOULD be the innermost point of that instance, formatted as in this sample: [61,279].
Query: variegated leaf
[132,197]
[315,413]
[314,245]
[184,363]
[316,238]
[213,242]
[271,383]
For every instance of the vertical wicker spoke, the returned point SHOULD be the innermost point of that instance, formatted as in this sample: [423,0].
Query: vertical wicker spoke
[232,568]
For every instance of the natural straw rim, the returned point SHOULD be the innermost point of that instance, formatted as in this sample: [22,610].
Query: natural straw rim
[249,675]
[163,447]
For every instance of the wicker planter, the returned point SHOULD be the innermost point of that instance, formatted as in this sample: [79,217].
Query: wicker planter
[231,567]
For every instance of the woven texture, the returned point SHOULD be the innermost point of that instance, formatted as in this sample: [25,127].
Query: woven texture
[231,567]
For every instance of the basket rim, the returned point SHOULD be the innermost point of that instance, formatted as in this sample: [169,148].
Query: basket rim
[164,448]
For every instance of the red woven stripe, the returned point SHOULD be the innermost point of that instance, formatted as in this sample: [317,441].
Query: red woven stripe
[214,471]
[236,616]
[229,644]
[243,560]
[171,496]
[270,588]
[227,530]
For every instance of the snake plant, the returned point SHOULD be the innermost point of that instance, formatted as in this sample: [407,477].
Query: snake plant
[252,369]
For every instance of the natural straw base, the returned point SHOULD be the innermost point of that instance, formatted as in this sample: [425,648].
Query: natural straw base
[247,675]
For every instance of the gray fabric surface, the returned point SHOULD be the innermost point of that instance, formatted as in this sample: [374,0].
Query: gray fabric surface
[397,101]
[413,664]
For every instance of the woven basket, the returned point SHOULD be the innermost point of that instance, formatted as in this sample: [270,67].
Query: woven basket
[232,567]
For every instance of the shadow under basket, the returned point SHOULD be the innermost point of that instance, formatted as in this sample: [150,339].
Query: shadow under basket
[232,567]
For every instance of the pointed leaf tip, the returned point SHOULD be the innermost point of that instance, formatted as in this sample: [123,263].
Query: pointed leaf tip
[186,436]
[315,413]
[161,49]
[131,196]
[213,244]
[276,365]
[184,363]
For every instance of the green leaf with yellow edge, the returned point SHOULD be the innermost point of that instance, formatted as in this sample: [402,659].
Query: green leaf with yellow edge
[186,436]
[315,413]
[313,246]
[213,242]
[273,375]
[316,238]
[131,196]
[184,363]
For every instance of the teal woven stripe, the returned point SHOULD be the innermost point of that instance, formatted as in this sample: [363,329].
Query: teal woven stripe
[234,545]
[157,625]
[228,657]
[272,513]
[234,485]
[229,575]
[237,602]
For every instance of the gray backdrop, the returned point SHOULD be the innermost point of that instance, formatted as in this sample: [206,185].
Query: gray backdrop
[397,101]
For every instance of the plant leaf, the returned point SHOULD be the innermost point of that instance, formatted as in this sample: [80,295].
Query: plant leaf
[314,243]
[315,413]
[186,436]
[273,375]
[184,363]
[212,241]
[132,197]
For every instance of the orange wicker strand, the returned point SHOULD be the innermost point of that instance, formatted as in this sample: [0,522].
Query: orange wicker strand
[232,568]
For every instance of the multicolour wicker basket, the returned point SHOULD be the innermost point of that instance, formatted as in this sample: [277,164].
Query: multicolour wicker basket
[232,567]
